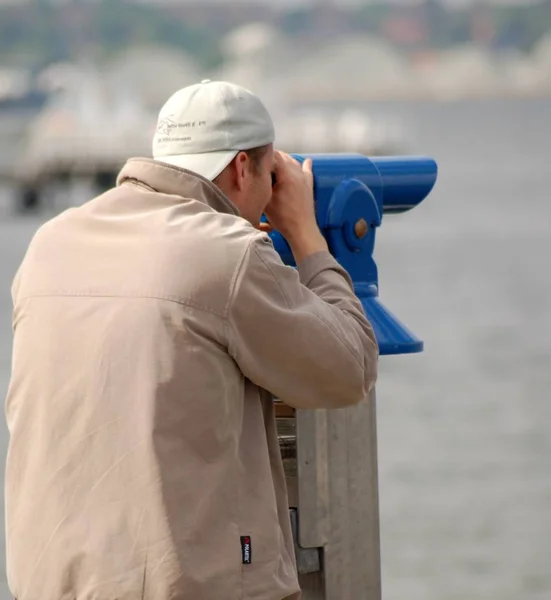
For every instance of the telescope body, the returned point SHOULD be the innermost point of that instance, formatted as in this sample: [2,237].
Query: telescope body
[352,193]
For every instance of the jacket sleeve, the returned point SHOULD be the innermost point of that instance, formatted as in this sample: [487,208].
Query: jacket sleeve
[301,334]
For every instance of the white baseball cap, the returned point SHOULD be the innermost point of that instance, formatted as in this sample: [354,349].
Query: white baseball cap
[202,127]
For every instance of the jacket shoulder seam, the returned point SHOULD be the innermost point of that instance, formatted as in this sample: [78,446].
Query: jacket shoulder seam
[273,277]
[235,276]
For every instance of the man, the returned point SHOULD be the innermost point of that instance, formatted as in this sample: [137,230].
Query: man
[152,325]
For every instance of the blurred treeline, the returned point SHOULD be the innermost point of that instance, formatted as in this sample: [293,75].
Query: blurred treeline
[39,32]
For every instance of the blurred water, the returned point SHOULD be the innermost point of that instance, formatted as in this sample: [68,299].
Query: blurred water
[465,427]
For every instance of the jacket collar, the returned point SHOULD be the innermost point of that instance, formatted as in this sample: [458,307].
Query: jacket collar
[168,179]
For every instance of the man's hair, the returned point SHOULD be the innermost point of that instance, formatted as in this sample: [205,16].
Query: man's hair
[256,155]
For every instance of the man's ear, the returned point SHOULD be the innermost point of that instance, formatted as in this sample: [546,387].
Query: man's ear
[241,165]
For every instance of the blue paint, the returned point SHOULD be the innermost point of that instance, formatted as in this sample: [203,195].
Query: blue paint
[350,187]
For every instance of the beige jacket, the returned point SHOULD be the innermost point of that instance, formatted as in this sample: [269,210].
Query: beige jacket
[148,324]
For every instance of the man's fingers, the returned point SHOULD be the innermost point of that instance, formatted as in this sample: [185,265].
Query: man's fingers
[287,159]
[280,165]
[290,169]
[307,170]
[307,167]
[265,227]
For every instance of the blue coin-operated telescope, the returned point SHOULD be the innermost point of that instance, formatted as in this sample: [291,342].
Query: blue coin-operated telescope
[352,192]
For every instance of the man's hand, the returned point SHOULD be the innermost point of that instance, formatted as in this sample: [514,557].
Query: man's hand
[291,210]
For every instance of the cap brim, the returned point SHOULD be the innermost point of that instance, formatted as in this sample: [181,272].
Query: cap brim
[209,165]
